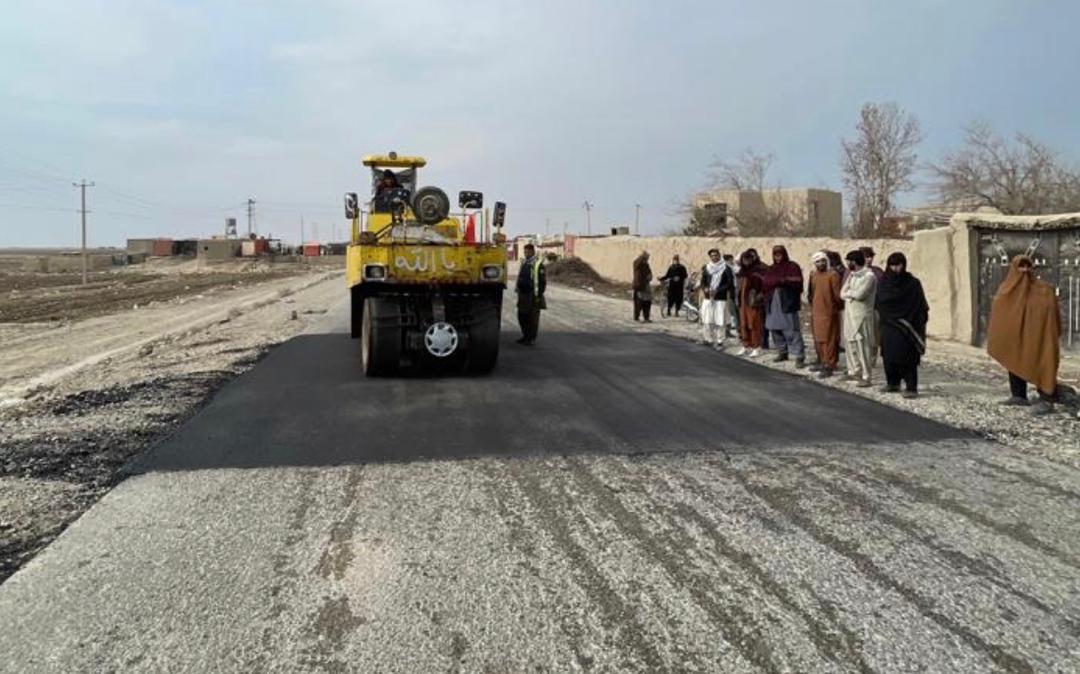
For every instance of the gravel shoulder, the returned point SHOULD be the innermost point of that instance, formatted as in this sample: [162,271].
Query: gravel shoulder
[79,399]
[959,384]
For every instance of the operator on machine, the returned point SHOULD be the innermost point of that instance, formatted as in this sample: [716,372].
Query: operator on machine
[388,182]
[386,186]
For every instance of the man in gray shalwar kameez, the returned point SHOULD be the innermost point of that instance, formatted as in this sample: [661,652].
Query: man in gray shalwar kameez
[783,287]
[858,293]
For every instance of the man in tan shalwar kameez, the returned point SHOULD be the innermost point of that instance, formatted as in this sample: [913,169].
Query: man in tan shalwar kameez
[826,307]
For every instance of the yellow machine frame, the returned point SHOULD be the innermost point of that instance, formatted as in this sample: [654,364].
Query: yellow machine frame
[417,261]
[420,293]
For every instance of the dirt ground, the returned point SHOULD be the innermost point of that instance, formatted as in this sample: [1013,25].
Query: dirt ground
[91,384]
[35,297]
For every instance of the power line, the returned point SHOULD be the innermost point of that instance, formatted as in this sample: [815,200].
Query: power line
[157,206]
[34,207]
[39,176]
[51,170]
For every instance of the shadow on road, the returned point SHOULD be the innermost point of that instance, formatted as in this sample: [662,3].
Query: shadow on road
[308,404]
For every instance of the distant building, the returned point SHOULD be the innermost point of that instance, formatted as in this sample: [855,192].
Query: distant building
[804,211]
[545,245]
[159,247]
[219,249]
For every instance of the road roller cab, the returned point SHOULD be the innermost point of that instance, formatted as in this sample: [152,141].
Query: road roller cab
[426,285]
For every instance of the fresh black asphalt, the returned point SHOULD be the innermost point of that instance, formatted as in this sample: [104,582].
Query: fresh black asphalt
[308,403]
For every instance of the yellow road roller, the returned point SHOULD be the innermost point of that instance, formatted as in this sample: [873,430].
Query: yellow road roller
[426,285]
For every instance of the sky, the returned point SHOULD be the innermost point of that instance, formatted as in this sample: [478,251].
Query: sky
[181,111]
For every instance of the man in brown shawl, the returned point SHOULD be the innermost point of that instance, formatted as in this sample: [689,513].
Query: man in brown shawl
[1024,335]
[642,291]
[751,302]
[825,308]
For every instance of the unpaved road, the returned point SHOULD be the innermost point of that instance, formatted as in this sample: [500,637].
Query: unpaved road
[607,501]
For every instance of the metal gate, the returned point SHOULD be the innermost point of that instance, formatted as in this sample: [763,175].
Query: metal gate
[1056,254]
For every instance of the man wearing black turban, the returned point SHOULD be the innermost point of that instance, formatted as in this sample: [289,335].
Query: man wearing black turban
[901,305]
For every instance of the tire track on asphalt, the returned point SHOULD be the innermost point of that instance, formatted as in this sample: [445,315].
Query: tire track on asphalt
[523,537]
[913,531]
[738,627]
[708,496]
[845,651]
[877,476]
[337,552]
[786,501]
[619,617]
[524,490]
[1028,479]
[285,578]
[334,620]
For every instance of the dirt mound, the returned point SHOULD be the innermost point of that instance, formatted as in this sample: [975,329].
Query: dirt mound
[574,272]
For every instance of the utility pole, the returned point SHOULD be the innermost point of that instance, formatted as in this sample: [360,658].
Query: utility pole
[301,229]
[588,216]
[637,219]
[82,187]
[251,216]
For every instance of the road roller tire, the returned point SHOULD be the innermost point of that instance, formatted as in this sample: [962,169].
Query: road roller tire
[356,311]
[483,351]
[380,337]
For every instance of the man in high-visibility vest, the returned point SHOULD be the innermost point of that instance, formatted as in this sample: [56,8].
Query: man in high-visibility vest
[531,283]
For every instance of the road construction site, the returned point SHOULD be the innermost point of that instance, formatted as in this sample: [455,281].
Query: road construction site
[615,498]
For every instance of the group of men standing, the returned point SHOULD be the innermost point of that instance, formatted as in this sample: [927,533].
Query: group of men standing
[870,310]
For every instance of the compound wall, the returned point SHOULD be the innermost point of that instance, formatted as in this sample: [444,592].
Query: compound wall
[941,258]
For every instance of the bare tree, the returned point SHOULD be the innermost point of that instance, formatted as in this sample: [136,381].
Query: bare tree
[879,163]
[1024,177]
[749,172]
[699,220]
[762,210]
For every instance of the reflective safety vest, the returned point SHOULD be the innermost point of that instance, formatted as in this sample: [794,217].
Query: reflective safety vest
[536,277]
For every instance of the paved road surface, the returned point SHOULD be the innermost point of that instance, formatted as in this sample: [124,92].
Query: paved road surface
[609,500]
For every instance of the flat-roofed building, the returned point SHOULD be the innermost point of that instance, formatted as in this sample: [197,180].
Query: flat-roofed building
[798,211]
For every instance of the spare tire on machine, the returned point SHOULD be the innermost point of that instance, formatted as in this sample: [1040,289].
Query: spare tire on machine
[431,205]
